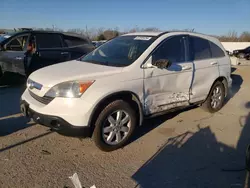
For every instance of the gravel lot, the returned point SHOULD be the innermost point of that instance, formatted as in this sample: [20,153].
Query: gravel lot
[191,148]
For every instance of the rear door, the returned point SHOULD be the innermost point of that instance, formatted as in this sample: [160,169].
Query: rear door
[49,50]
[206,69]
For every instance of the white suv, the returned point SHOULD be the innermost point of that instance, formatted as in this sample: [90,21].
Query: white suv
[108,92]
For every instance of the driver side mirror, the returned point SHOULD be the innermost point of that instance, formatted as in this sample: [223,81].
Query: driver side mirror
[162,63]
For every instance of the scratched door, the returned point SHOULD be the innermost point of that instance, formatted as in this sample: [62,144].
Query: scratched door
[168,88]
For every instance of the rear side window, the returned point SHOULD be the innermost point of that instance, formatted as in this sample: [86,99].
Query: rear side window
[201,48]
[48,41]
[74,41]
[216,51]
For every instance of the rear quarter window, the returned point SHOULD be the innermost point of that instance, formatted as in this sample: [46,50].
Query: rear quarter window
[216,51]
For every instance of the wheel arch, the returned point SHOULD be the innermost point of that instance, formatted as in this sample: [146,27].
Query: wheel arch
[223,80]
[128,96]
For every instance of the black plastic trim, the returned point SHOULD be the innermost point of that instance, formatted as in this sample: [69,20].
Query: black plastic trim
[56,123]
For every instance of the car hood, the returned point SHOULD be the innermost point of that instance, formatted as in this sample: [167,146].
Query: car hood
[72,70]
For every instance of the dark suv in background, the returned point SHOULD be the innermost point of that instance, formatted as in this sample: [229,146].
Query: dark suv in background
[27,51]
[242,53]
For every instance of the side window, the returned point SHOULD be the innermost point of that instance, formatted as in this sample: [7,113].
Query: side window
[201,48]
[18,43]
[74,41]
[216,51]
[172,49]
[44,40]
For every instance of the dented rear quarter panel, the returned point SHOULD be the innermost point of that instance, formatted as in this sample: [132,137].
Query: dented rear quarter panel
[225,70]
[204,76]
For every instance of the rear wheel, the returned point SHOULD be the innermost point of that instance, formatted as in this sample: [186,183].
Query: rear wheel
[114,126]
[215,99]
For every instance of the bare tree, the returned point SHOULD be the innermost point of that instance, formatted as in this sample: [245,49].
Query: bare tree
[244,37]
[151,29]
[109,34]
[230,37]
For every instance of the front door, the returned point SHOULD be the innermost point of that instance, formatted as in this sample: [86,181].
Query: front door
[13,57]
[168,88]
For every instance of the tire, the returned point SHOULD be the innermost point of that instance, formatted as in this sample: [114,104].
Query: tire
[103,122]
[207,105]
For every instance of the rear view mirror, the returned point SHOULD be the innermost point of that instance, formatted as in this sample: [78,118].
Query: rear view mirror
[162,63]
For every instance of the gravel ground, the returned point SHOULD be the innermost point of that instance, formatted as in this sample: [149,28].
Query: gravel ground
[191,148]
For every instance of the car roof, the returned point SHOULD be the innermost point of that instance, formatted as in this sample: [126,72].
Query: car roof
[160,33]
[149,33]
[53,32]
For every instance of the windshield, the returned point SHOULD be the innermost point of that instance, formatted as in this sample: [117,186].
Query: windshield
[5,36]
[121,51]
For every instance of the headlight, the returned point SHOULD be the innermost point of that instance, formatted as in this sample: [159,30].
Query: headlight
[28,82]
[72,89]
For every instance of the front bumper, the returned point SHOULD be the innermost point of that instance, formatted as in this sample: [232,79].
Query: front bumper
[75,111]
[55,123]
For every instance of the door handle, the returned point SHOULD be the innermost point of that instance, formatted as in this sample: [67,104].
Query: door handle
[186,68]
[18,58]
[63,53]
[214,63]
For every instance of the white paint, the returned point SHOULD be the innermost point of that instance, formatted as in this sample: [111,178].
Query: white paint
[146,33]
[157,89]
[166,88]
[142,38]
[72,70]
[231,46]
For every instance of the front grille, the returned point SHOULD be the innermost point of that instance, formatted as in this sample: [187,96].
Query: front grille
[44,99]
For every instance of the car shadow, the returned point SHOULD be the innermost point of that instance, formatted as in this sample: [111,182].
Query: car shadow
[233,69]
[25,141]
[12,79]
[10,117]
[152,123]
[197,159]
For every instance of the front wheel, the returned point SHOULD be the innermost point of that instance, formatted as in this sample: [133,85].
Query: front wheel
[215,99]
[114,126]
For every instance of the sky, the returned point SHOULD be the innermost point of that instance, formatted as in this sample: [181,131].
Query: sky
[206,16]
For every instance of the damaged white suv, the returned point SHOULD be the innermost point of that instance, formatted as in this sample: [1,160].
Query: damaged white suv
[109,92]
